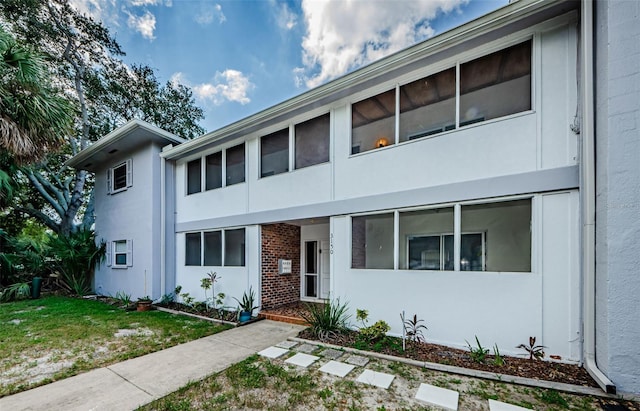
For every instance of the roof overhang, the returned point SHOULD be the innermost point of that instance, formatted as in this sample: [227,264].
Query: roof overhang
[124,138]
[517,14]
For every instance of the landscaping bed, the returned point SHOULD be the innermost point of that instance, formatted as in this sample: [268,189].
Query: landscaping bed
[427,352]
[213,313]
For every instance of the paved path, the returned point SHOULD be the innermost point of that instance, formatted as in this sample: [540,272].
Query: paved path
[132,383]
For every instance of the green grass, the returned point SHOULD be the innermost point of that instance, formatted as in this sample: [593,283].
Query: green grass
[35,335]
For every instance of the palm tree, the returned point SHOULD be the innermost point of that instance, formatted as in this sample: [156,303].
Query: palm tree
[34,117]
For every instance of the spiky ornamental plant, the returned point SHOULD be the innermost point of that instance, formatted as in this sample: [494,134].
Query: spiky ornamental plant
[534,351]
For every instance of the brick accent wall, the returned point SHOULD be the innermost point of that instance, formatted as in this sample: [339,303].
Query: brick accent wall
[280,241]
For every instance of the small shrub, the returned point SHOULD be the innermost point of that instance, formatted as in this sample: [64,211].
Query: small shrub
[497,358]
[124,298]
[375,332]
[328,319]
[18,291]
[533,350]
[478,354]
[413,329]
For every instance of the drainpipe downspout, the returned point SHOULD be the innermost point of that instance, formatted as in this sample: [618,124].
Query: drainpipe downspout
[589,199]
[163,226]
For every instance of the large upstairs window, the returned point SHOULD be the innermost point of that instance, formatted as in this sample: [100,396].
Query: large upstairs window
[492,86]
[274,153]
[312,141]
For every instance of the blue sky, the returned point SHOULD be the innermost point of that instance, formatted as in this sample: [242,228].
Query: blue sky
[240,57]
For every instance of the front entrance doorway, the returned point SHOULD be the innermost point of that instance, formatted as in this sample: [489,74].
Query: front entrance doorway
[315,270]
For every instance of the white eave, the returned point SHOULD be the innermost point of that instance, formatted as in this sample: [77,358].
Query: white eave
[505,15]
[83,158]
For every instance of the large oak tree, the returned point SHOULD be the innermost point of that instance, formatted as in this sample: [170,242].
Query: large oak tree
[85,60]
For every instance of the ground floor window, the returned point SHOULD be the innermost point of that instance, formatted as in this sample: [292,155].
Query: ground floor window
[119,254]
[216,248]
[491,237]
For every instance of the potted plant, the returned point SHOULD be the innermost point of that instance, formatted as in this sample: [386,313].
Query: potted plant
[246,305]
[144,303]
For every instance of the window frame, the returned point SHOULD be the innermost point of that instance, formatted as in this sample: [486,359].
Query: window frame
[203,169]
[112,254]
[457,237]
[223,245]
[128,166]
[455,64]
[442,237]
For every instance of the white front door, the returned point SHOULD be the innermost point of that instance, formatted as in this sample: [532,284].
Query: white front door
[315,264]
[324,269]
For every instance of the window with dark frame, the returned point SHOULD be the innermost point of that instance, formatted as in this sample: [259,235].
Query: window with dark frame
[193,249]
[312,141]
[119,177]
[213,171]
[235,165]
[274,153]
[194,176]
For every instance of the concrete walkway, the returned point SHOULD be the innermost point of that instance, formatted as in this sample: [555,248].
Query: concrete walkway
[132,383]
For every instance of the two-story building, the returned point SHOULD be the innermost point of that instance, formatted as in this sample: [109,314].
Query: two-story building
[446,180]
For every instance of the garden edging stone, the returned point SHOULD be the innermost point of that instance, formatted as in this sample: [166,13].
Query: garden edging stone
[569,388]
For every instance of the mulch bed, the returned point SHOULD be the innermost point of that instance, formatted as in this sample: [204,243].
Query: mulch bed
[426,352]
[231,316]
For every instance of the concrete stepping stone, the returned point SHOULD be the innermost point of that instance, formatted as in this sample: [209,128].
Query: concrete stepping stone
[306,348]
[358,360]
[287,344]
[273,352]
[503,406]
[440,397]
[377,379]
[337,368]
[331,354]
[302,360]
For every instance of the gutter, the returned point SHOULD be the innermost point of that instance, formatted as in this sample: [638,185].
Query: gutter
[589,199]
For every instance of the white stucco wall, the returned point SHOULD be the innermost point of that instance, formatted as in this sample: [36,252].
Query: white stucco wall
[232,281]
[532,140]
[132,214]
[498,307]
[618,198]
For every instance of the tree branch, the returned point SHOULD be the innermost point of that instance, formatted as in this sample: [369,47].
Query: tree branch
[44,193]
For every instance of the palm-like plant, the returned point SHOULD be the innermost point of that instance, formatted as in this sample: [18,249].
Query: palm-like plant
[75,256]
[34,116]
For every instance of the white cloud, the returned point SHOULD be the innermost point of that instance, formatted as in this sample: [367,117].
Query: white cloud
[100,10]
[345,34]
[208,13]
[140,3]
[145,24]
[285,18]
[229,85]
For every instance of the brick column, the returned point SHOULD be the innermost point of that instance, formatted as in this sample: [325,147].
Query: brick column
[280,241]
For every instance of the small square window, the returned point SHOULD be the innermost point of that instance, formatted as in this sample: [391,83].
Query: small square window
[119,177]
[121,253]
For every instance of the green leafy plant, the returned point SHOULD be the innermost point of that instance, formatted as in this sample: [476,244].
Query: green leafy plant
[208,283]
[478,354]
[248,300]
[375,332]
[533,350]
[124,298]
[187,299]
[328,319]
[413,328]
[497,358]
[18,291]
[75,256]
[144,299]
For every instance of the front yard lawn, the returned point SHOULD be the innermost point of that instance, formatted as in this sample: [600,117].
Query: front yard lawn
[56,337]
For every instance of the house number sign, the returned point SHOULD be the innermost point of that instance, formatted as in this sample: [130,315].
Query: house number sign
[284,266]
